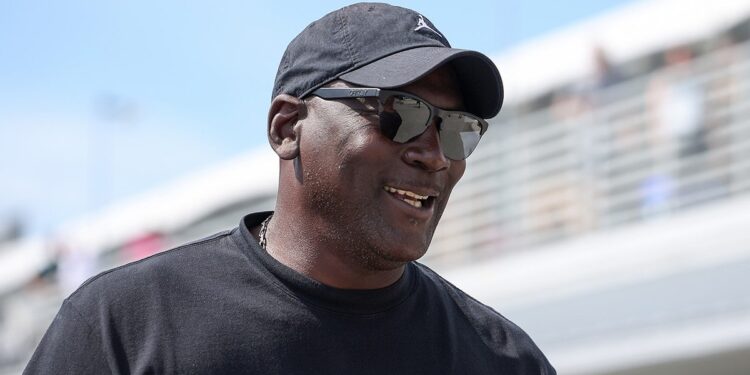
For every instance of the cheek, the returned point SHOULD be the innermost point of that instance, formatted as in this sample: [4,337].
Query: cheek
[456,171]
[322,140]
[359,165]
[343,153]
[343,132]
[363,150]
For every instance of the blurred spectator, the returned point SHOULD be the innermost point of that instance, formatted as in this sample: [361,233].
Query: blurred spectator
[676,108]
[143,246]
[677,103]
[562,205]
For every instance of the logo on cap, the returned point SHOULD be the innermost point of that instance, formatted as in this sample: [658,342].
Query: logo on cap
[421,24]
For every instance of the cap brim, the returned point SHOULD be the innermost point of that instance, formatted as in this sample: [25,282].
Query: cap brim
[478,76]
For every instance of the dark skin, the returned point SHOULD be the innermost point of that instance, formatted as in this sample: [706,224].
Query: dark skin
[335,221]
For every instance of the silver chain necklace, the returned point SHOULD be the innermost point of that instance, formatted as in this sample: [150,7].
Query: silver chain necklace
[262,235]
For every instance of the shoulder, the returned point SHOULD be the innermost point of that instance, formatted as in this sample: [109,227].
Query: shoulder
[476,311]
[166,270]
[115,313]
[499,334]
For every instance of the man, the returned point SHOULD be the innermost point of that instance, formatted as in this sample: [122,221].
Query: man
[372,117]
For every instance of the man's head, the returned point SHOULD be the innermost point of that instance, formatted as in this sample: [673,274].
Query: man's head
[347,168]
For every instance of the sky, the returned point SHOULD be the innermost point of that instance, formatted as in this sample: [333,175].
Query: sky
[104,100]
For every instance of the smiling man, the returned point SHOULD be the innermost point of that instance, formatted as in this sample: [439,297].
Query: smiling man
[373,116]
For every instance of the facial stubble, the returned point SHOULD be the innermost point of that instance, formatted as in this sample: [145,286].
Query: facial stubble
[358,232]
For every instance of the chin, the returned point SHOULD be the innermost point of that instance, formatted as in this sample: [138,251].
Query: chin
[414,244]
[406,252]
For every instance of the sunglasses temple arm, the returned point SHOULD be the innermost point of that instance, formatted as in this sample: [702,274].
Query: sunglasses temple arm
[346,92]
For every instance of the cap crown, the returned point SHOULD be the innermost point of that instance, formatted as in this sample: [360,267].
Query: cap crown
[347,39]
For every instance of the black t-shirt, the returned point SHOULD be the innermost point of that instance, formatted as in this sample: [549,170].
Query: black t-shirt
[222,305]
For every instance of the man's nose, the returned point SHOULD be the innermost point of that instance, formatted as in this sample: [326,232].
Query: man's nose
[425,151]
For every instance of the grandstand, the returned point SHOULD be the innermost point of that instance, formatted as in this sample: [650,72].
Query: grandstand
[605,211]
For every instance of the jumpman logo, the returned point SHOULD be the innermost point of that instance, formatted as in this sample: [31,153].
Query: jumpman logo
[423,25]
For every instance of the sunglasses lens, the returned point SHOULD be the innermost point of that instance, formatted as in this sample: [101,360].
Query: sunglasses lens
[459,135]
[403,118]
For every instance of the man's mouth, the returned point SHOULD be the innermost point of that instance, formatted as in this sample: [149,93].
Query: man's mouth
[410,197]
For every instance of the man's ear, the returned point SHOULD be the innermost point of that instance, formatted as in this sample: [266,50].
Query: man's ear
[283,125]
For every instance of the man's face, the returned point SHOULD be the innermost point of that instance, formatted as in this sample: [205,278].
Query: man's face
[358,183]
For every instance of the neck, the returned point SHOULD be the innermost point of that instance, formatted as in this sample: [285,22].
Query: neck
[302,246]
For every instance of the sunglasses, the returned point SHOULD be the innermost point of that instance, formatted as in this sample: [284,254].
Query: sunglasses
[404,117]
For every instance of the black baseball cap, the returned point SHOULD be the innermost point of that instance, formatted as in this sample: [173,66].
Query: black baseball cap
[383,46]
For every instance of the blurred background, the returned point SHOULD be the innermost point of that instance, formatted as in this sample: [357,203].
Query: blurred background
[607,210]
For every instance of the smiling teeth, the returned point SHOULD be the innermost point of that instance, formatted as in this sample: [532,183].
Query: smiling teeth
[405,192]
[416,202]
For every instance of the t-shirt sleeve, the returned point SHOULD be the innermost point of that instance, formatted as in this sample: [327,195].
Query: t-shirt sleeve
[70,346]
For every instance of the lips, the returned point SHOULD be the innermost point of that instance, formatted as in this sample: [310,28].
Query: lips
[412,198]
